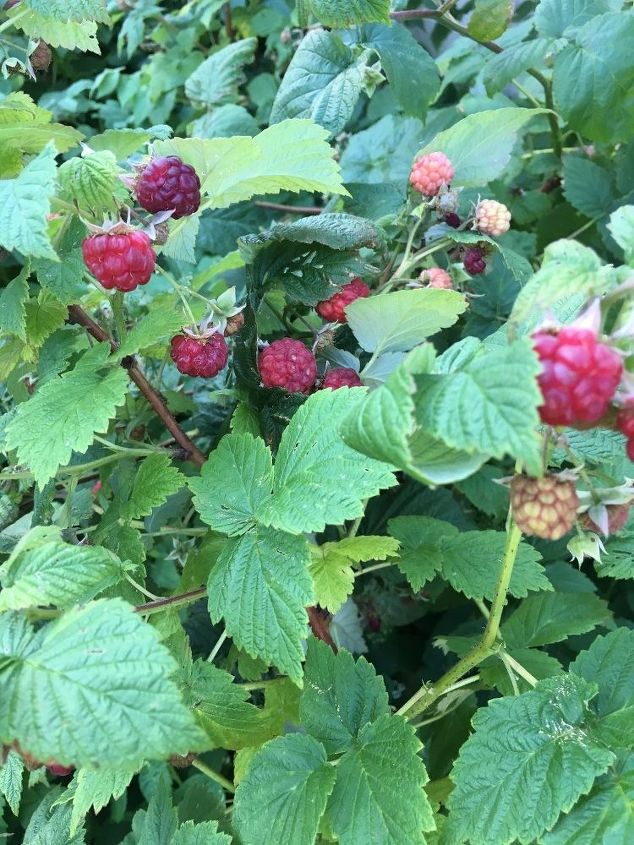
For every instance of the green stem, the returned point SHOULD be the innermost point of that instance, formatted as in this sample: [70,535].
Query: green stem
[202,767]
[219,644]
[427,695]
[179,290]
[80,469]
[12,21]
[118,311]
[374,568]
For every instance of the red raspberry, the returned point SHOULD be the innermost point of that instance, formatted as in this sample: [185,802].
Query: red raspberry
[59,771]
[474,261]
[341,377]
[618,516]
[121,261]
[334,309]
[625,420]
[168,183]
[197,356]
[287,364]
[430,173]
[452,220]
[579,375]
[436,277]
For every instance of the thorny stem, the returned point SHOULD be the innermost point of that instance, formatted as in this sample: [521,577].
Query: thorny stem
[78,315]
[427,695]
[204,768]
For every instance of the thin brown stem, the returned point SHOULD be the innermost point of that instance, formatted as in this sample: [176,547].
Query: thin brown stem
[171,602]
[79,316]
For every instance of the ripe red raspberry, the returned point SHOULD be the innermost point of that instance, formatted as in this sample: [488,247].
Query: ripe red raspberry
[121,261]
[474,261]
[341,377]
[59,771]
[289,365]
[430,173]
[168,183]
[334,309]
[579,375]
[544,507]
[436,277]
[625,420]
[492,218]
[198,356]
[618,516]
[452,220]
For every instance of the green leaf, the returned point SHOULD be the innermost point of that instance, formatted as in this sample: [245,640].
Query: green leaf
[480,145]
[490,19]
[11,780]
[284,792]
[57,573]
[396,322]
[12,299]
[421,540]
[71,35]
[65,278]
[379,795]
[94,788]
[404,59]
[593,79]
[605,815]
[318,479]
[331,566]
[261,586]
[121,142]
[568,269]
[43,316]
[554,17]
[151,329]
[340,14]
[71,10]
[204,833]
[340,696]
[539,739]
[609,662]
[588,186]
[25,205]
[291,156]
[28,128]
[488,406]
[322,82]
[82,663]
[513,61]
[90,182]
[64,414]
[50,824]
[621,228]
[553,617]
[218,78]
[155,480]
[495,672]
[234,483]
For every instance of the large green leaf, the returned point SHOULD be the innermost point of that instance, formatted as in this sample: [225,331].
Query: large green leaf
[284,793]
[588,186]
[323,82]
[156,479]
[261,586]
[64,414]
[554,17]
[529,759]
[94,788]
[83,663]
[552,617]
[71,10]
[339,14]
[217,79]
[480,145]
[502,68]
[27,127]
[72,35]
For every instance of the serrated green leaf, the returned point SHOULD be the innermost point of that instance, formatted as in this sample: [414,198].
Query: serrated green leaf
[71,35]
[379,791]
[71,10]
[421,538]
[340,696]
[318,480]
[43,316]
[18,109]
[90,182]
[396,322]
[554,17]
[121,142]
[538,738]
[11,780]
[50,824]
[25,205]
[553,617]
[261,586]
[323,82]
[151,329]
[609,662]
[94,788]
[593,79]
[65,278]
[621,228]
[514,60]
[64,414]
[588,186]
[218,78]
[83,662]
[234,483]
[204,833]
[57,573]
[340,14]
[488,407]
[284,792]
[155,480]
[12,300]
[480,145]
[490,19]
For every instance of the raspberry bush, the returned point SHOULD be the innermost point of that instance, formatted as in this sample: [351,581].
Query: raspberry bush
[317,433]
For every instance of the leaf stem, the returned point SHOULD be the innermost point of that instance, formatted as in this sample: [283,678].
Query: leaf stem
[172,602]
[427,695]
[216,649]
[11,21]
[204,768]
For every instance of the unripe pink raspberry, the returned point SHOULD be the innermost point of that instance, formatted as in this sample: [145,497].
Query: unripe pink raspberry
[492,218]
[289,365]
[341,377]
[430,173]
[334,309]
[436,277]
